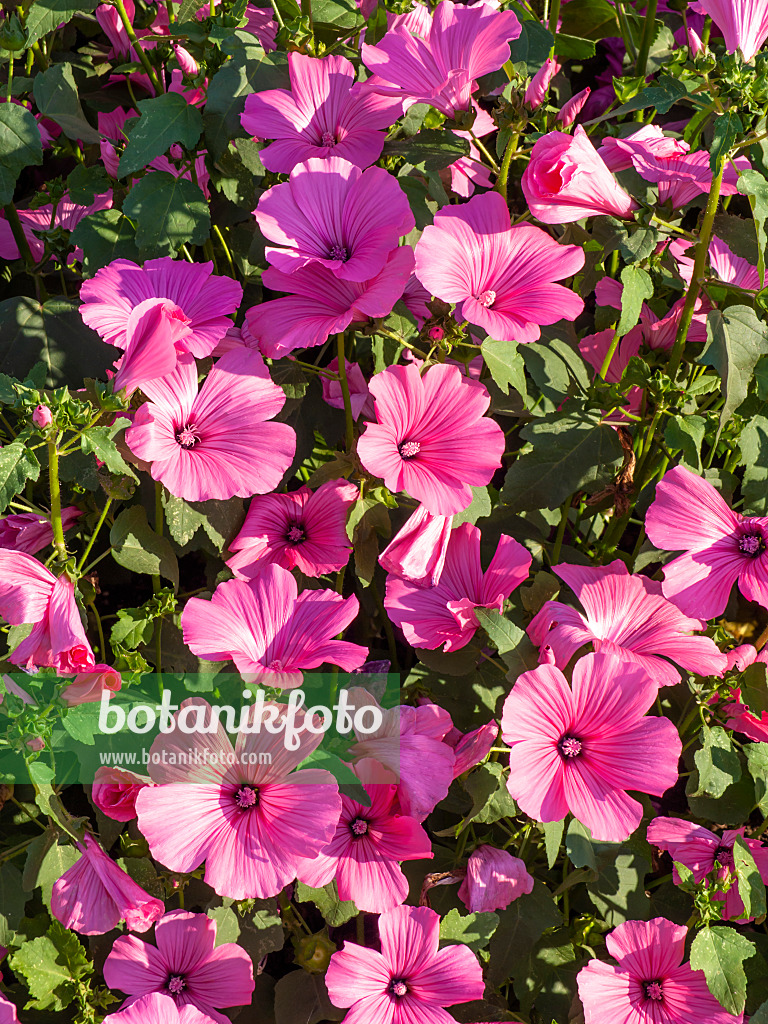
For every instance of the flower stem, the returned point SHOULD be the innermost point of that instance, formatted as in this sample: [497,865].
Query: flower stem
[151,73]
[610,353]
[484,150]
[554,17]
[509,152]
[55,489]
[647,39]
[94,535]
[350,421]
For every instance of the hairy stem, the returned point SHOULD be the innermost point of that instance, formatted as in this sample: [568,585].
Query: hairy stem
[151,73]
[55,490]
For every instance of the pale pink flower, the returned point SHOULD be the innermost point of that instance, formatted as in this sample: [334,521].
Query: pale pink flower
[270,631]
[725,264]
[651,984]
[204,301]
[300,529]
[539,85]
[185,964]
[325,113]
[215,443]
[626,614]
[444,615]
[500,277]
[721,547]
[252,823]
[29,593]
[431,438]
[359,396]
[158,1009]
[571,110]
[94,895]
[567,180]
[89,686]
[579,748]
[410,980]
[30,532]
[494,879]
[417,552]
[332,213]
[744,24]
[115,790]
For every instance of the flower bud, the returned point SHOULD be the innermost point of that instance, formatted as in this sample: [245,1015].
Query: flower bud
[572,108]
[494,879]
[42,417]
[314,952]
[537,90]
[187,62]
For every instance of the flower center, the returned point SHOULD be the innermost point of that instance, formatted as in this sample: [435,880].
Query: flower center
[724,856]
[339,252]
[275,666]
[247,797]
[752,544]
[176,984]
[569,746]
[188,436]
[358,827]
[296,535]
[487,298]
[327,139]
[408,449]
[653,991]
[398,987]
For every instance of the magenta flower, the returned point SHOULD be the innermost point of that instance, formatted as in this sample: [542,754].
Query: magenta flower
[540,83]
[88,687]
[94,895]
[30,593]
[470,748]
[324,114]
[444,615]
[7,1011]
[269,632]
[704,852]
[410,980]
[431,438]
[726,265]
[330,212]
[494,879]
[252,823]
[567,179]
[157,1009]
[155,336]
[744,24]
[721,547]
[571,110]
[365,854]
[650,983]
[359,396]
[30,532]
[304,529]
[579,748]
[319,304]
[468,173]
[203,302]
[626,614]
[115,790]
[417,552]
[215,443]
[186,964]
[500,277]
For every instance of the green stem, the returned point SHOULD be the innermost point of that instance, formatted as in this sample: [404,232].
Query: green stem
[509,152]
[610,353]
[348,417]
[55,489]
[554,17]
[225,247]
[40,57]
[159,519]
[484,150]
[278,15]
[671,227]
[151,73]
[9,89]
[103,646]
[19,237]
[647,39]
[95,534]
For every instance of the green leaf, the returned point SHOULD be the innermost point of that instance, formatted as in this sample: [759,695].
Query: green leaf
[431,149]
[754,688]
[472,930]
[82,722]
[302,998]
[341,13]
[720,953]
[56,97]
[227,924]
[589,19]
[46,15]
[735,341]
[221,520]
[99,441]
[727,129]
[520,926]
[17,465]
[574,47]
[717,762]
[532,46]
[751,885]
[753,185]
[506,366]
[168,213]
[478,508]
[58,859]
[579,846]
[686,434]
[487,786]
[12,901]
[132,628]
[19,146]
[225,99]
[105,236]
[638,287]
[553,837]
[52,965]
[754,457]
[757,762]
[137,547]
[164,119]
[503,633]
[329,762]
[85,183]
[334,910]
[760,1016]
[662,95]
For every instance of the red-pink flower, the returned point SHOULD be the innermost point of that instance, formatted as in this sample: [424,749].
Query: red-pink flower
[158,1009]
[204,302]
[94,895]
[417,552]
[31,532]
[325,113]
[628,614]
[186,964]
[721,547]
[242,810]
[89,686]
[30,593]
[579,748]
[650,984]
[444,615]
[494,879]
[567,180]
[269,630]
[410,980]
[704,852]
[500,277]
[115,790]
[744,24]
[330,212]
[300,529]
[214,443]
[431,438]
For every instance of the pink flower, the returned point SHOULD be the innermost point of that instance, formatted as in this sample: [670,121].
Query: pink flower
[268,631]
[651,983]
[618,154]
[319,304]
[157,1009]
[89,686]
[439,61]
[539,84]
[721,547]
[304,529]
[155,337]
[67,215]
[214,443]
[579,748]
[325,113]
[261,23]
[30,532]
[7,1011]
[30,593]
[42,416]
[186,964]
[566,180]
[252,823]
[204,302]
[332,213]
[500,277]
[571,110]
[626,614]
[115,790]
[471,748]
[468,173]
[744,24]
[726,265]
[704,852]
[410,980]
[94,895]
[416,300]
[431,438]
[417,552]
[365,854]
[187,62]
[444,615]
[359,397]
[494,879]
